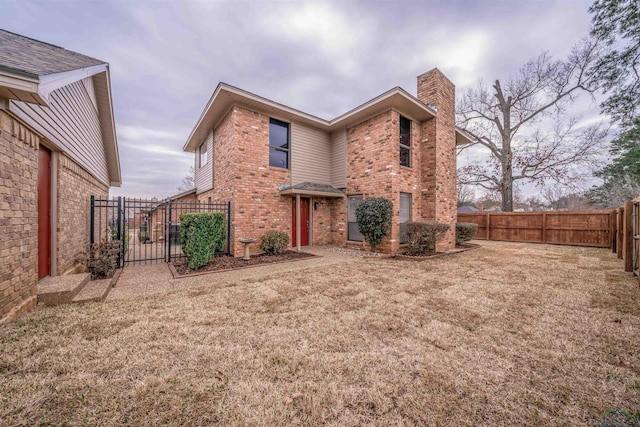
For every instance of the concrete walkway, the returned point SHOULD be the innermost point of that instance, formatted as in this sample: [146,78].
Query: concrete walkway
[143,280]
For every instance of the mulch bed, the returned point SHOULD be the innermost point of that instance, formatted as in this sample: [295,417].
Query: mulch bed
[225,263]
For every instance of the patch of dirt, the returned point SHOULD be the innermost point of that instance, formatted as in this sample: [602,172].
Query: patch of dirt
[224,262]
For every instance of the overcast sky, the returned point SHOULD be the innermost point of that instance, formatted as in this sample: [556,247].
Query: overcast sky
[166,57]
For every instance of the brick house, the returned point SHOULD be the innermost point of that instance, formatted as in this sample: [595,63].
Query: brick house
[57,147]
[287,170]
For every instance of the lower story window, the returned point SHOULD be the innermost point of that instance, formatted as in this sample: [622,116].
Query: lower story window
[405,215]
[353,233]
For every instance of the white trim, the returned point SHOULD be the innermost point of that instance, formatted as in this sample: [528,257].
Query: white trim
[51,82]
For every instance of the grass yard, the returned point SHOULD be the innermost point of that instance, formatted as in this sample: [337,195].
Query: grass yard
[509,334]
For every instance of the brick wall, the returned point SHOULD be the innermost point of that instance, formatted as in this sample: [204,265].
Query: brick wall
[18,217]
[242,175]
[373,168]
[438,151]
[75,187]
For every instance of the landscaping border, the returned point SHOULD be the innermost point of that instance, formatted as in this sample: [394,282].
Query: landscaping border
[458,250]
[177,275]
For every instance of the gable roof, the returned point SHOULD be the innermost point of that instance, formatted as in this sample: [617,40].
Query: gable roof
[226,96]
[30,70]
[34,58]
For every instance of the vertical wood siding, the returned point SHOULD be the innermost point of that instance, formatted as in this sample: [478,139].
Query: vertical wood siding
[71,123]
[339,158]
[310,155]
[204,175]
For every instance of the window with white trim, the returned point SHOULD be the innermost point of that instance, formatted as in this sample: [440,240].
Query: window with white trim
[202,152]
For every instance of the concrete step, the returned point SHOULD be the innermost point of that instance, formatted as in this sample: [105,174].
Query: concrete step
[61,289]
[95,290]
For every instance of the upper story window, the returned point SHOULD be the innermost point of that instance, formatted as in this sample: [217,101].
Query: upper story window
[278,144]
[405,142]
[202,152]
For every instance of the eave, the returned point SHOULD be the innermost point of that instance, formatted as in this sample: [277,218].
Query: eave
[226,96]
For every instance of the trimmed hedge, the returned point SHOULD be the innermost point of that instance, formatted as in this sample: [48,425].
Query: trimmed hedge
[201,235]
[374,219]
[274,242]
[465,232]
[422,236]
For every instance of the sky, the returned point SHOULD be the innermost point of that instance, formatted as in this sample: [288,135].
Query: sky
[324,58]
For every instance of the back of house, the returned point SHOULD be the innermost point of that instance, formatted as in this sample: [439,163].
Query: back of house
[57,148]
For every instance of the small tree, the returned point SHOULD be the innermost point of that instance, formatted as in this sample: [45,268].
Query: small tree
[374,219]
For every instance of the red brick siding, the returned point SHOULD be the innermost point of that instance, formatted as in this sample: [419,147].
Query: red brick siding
[438,152]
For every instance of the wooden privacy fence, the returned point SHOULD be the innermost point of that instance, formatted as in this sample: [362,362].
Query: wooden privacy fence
[579,228]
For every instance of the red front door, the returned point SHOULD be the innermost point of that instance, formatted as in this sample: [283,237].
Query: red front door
[44,212]
[304,221]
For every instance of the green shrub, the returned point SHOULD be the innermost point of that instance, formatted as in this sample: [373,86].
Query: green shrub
[465,231]
[103,258]
[113,233]
[142,234]
[274,242]
[374,219]
[201,235]
[422,236]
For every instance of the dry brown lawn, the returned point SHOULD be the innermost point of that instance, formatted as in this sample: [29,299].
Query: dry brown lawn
[509,334]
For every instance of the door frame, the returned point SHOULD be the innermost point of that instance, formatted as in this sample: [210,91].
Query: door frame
[53,208]
[299,222]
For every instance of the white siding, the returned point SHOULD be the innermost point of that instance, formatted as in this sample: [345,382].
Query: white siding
[339,158]
[204,175]
[310,155]
[71,123]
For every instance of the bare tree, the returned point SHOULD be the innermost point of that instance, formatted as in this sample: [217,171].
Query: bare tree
[507,121]
[466,195]
[558,197]
[189,181]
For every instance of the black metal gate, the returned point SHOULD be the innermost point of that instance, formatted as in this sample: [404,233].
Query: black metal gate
[148,229]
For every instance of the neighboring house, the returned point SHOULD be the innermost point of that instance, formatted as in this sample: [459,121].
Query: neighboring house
[467,209]
[283,169]
[57,148]
[183,201]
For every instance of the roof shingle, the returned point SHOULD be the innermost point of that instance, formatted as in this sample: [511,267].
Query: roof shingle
[23,55]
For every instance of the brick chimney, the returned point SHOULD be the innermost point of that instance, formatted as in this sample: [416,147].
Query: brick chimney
[438,154]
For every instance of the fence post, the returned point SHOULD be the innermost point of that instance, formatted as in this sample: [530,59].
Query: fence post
[620,225]
[125,229]
[544,227]
[486,231]
[612,230]
[167,233]
[119,228]
[229,228]
[628,237]
[92,221]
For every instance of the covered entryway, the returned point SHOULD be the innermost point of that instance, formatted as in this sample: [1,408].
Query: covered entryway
[303,195]
[44,212]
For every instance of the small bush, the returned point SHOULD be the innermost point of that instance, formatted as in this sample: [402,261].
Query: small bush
[274,242]
[142,234]
[465,232]
[103,258]
[422,236]
[374,219]
[201,235]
